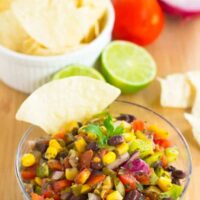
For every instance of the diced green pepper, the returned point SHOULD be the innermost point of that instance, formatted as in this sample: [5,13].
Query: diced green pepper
[171,154]
[174,192]
[144,147]
[154,158]
[153,177]
[38,189]
[119,186]
[42,171]
[76,189]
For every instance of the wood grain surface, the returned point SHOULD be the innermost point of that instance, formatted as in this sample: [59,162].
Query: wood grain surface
[176,50]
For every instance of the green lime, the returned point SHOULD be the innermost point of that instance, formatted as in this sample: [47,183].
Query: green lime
[127,66]
[78,70]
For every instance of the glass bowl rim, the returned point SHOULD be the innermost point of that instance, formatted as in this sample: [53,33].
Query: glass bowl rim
[188,178]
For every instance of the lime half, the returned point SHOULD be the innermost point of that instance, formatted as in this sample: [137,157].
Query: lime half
[78,70]
[127,66]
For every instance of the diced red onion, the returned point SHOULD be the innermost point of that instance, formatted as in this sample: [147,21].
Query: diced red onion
[183,8]
[92,196]
[57,175]
[132,158]
[122,159]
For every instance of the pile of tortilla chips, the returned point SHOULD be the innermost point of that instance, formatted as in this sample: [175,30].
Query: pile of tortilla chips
[183,91]
[49,27]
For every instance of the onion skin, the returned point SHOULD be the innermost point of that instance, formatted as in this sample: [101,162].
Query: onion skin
[180,12]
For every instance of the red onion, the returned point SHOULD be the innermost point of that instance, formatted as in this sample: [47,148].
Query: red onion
[57,175]
[183,8]
[122,159]
[132,158]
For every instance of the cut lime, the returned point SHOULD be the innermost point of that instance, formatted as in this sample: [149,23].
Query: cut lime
[78,70]
[127,66]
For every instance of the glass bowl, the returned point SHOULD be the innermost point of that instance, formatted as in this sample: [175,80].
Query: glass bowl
[183,162]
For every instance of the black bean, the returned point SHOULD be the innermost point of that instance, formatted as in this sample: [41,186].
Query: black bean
[41,145]
[178,174]
[62,154]
[93,146]
[176,181]
[134,195]
[115,140]
[171,169]
[168,198]
[126,117]
[81,197]
[97,165]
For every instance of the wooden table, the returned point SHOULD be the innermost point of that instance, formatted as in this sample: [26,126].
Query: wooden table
[177,50]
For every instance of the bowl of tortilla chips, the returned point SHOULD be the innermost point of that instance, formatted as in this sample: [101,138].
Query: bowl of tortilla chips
[39,38]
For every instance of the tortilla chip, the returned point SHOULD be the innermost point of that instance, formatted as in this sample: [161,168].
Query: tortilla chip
[59,102]
[176,91]
[195,123]
[194,78]
[5,4]
[11,33]
[31,47]
[58,25]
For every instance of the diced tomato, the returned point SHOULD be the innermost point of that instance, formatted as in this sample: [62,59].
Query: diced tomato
[165,143]
[35,196]
[142,178]
[66,163]
[95,179]
[48,193]
[60,135]
[85,159]
[129,181]
[138,125]
[60,185]
[164,161]
[55,165]
[28,173]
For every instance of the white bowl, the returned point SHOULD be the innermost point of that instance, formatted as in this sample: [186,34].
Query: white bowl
[25,72]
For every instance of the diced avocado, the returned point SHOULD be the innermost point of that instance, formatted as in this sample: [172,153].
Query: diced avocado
[144,147]
[42,171]
[153,177]
[171,154]
[119,186]
[174,192]
[154,158]
[161,172]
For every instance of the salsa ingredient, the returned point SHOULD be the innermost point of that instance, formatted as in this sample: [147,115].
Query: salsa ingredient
[101,162]
[140,22]
[181,8]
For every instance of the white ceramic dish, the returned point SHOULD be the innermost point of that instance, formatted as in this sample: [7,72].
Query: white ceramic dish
[25,72]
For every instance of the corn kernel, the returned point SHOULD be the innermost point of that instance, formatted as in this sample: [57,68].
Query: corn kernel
[85,189]
[164,184]
[109,158]
[128,136]
[51,153]
[114,196]
[96,159]
[83,176]
[122,148]
[54,143]
[28,160]
[71,173]
[38,181]
[80,145]
[70,126]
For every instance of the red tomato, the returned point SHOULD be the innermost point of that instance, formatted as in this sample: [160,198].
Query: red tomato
[129,181]
[138,125]
[28,173]
[165,143]
[142,178]
[35,196]
[60,185]
[139,21]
